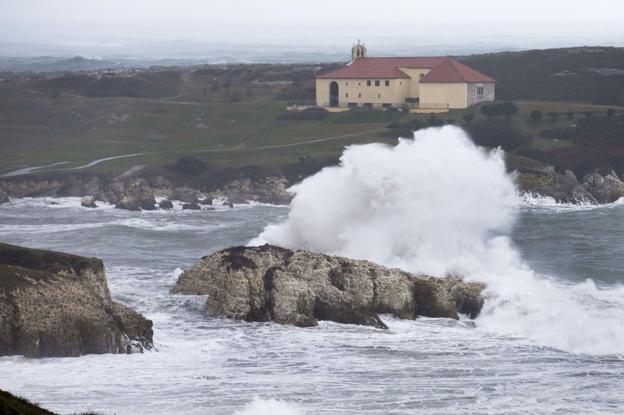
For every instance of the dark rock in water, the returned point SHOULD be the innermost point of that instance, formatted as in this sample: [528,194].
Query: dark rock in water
[165,204]
[266,190]
[299,287]
[14,405]
[205,201]
[88,202]
[57,304]
[4,198]
[129,203]
[539,179]
[228,204]
[605,189]
[131,194]
[191,206]
[184,194]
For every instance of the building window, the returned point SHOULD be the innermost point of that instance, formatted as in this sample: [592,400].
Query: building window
[378,95]
[359,83]
[400,82]
[377,82]
[347,95]
[387,83]
[368,83]
[359,95]
[346,83]
[480,90]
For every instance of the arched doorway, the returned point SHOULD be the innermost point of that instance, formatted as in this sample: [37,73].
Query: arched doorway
[333,94]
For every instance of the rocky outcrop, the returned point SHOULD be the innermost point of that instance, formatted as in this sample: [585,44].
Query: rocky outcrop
[266,190]
[130,194]
[191,206]
[4,198]
[184,194]
[57,304]
[165,204]
[299,287]
[88,202]
[605,189]
[564,188]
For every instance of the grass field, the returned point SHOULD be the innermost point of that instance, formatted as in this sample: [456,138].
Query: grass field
[37,129]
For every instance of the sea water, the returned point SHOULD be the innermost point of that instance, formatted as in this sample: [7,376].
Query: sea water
[549,338]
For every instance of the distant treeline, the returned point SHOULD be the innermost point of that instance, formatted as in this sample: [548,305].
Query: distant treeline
[590,74]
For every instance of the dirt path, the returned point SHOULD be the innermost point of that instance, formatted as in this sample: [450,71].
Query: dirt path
[298,143]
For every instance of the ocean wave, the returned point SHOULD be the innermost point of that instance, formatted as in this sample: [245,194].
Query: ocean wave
[535,201]
[438,204]
[260,406]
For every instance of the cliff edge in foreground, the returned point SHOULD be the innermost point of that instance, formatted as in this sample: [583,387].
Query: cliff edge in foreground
[57,304]
[296,287]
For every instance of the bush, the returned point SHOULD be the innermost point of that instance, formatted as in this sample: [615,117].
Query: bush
[536,115]
[558,133]
[503,109]
[468,118]
[498,134]
[554,116]
[434,121]
[570,114]
[190,165]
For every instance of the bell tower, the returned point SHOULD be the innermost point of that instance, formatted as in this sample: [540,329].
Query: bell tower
[358,51]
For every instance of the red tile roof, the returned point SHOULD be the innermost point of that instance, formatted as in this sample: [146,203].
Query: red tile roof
[442,70]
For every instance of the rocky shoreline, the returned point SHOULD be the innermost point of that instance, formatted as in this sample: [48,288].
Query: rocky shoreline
[54,304]
[137,190]
[295,287]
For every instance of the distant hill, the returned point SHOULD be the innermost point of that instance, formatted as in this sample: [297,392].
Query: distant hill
[55,64]
[590,74]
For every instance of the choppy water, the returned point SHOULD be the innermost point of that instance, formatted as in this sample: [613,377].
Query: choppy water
[216,366]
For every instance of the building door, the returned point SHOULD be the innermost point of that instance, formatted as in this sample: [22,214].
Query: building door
[333,94]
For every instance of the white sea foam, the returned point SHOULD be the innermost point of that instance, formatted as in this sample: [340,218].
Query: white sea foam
[438,204]
[269,407]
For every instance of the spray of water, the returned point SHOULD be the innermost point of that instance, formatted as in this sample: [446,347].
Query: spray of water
[438,204]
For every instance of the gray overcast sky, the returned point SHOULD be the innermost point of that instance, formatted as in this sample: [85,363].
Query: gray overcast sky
[292,21]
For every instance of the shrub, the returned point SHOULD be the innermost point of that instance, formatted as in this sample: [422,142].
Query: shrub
[570,114]
[536,115]
[434,121]
[503,109]
[468,118]
[554,116]
[494,133]
[190,165]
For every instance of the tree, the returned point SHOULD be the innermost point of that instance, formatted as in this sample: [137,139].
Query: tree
[536,115]
[554,116]
[498,134]
[468,118]
[570,114]
[450,120]
[503,109]
[610,113]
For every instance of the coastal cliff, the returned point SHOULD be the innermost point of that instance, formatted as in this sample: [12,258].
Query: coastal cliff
[57,304]
[297,287]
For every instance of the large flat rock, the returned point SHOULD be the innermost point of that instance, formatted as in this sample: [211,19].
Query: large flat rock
[296,287]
